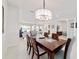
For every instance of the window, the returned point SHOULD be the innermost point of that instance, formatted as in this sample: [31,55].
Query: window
[25,28]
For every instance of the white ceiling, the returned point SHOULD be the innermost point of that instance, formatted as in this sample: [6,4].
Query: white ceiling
[59,8]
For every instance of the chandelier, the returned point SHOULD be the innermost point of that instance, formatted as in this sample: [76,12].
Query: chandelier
[43,14]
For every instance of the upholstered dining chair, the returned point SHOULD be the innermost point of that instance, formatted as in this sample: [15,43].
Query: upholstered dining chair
[55,36]
[62,54]
[36,49]
[59,33]
[45,34]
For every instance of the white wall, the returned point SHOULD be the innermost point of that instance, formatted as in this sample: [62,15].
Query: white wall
[72,51]
[11,26]
[72,33]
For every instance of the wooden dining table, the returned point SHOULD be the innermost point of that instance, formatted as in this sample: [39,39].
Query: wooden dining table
[50,45]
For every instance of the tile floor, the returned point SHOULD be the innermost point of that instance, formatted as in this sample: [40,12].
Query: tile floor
[19,51]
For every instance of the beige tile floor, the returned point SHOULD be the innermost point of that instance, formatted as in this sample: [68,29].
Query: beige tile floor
[19,51]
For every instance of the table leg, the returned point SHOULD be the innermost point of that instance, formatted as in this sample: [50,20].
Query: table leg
[50,55]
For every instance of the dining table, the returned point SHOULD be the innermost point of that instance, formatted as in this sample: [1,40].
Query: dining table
[50,45]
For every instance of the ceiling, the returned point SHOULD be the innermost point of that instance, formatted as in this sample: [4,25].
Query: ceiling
[59,8]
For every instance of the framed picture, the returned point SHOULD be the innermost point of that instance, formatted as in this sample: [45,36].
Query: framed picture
[76,25]
[72,25]
[2,19]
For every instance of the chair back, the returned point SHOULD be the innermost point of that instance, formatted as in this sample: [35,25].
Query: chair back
[34,44]
[28,39]
[55,36]
[59,33]
[45,34]
[66,47]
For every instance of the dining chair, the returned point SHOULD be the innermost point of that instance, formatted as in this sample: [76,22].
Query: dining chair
[59,33]
[28,41]
[45,34]
[29,45]
[55,36]
[62,54]
[37,50]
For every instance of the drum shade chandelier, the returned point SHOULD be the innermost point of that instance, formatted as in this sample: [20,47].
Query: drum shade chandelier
[43,14]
